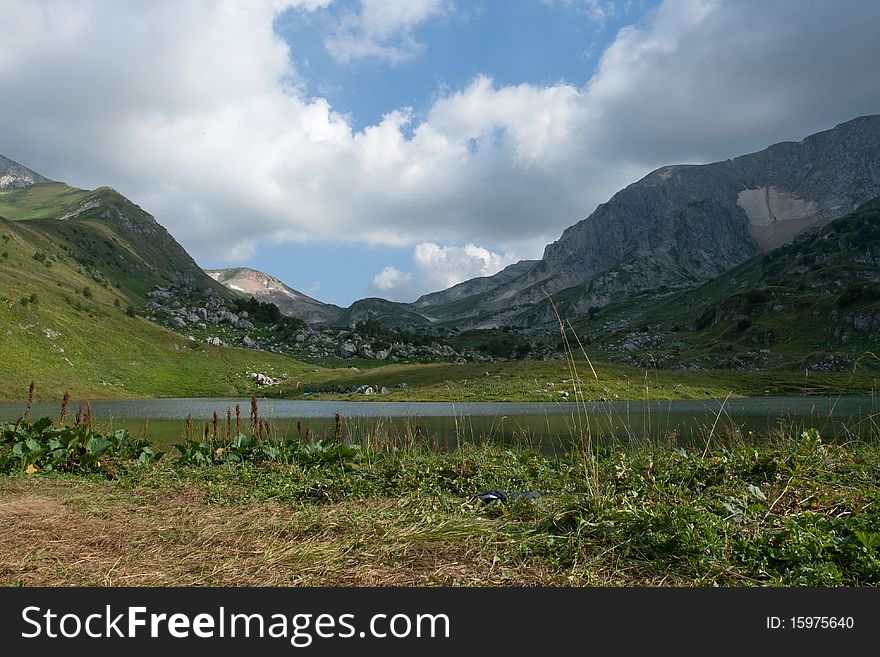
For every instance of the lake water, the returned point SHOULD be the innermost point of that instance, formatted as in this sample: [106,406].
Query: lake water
[547,427]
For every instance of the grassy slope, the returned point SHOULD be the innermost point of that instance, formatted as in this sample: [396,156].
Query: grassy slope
[88,345]
[43,201]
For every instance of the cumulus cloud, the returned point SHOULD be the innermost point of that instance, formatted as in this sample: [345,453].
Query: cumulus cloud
[444,266]
[382,29]
[391,278]
[195,111]
[439,267]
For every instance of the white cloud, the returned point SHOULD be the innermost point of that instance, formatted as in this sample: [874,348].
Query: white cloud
[596,10]
[193,110]
[439,267]
[391,278]
[382,29]
[444,266]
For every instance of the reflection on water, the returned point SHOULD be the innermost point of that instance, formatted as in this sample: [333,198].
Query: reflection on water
[547,427]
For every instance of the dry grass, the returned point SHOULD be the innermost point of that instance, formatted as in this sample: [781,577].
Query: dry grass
[67,532]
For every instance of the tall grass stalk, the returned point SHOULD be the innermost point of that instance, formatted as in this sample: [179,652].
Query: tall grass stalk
[585,434]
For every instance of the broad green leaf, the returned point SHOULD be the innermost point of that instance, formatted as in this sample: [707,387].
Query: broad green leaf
[97,445]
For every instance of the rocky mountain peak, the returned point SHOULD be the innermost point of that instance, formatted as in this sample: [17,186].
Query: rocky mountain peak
[15,176]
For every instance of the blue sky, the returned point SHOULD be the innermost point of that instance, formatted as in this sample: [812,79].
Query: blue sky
[513,42]
[391,148]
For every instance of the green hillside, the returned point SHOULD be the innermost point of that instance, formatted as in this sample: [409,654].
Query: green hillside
[74,269]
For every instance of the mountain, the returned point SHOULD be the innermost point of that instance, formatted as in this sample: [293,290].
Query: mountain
[813,303]
[106,234]
[14,176]
[266,288]
[392,314]
[75,269]
[682,225]
[465,299]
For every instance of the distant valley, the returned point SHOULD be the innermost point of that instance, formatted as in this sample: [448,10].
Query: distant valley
[767,260]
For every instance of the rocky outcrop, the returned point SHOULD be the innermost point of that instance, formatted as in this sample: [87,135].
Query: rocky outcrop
[15,176]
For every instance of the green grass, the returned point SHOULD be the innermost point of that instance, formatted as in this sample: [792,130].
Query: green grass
[527,381]
[42,201]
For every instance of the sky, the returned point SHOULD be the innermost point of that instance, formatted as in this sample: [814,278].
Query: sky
[391,148]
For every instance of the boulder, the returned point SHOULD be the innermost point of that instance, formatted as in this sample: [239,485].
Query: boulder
[347,349]
[263,379]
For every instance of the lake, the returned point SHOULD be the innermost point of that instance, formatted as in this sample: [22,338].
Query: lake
[548,427]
